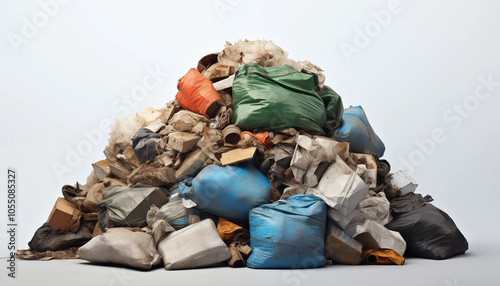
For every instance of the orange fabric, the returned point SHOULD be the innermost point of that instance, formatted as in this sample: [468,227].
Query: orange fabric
[226,229]
[196,93]
[382,256]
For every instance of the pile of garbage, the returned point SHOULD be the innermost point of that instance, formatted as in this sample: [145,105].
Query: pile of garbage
[255,163]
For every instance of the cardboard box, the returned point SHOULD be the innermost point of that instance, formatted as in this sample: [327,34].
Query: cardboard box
[63,215]
[341,247]
[402,181]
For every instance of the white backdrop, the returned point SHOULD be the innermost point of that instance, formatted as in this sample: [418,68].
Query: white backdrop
[427,74]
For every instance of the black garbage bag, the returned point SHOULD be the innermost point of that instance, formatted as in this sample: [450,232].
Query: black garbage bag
[429,233]
[144,144]
[50,238]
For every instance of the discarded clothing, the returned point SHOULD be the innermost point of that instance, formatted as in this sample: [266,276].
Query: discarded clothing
[382,257]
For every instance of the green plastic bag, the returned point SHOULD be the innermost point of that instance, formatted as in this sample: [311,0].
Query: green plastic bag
[275,98]
[334,109]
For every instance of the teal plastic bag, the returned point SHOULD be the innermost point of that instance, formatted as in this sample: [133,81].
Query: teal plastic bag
[288,233]
[275,98]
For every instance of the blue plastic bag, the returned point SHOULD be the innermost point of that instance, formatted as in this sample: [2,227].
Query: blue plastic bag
[356,130]
[288,233]
[229,192]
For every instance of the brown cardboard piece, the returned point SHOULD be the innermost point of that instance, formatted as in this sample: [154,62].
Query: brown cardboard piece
[63,215]
[183,141]
[101,169]
[341,247]
[193,163]
[119,170]
[237,155]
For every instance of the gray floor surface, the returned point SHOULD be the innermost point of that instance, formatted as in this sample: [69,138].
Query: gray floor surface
[477,267]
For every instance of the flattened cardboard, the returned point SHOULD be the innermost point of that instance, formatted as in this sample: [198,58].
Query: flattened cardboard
[237,155]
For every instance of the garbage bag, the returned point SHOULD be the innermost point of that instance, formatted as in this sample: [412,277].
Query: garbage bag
[196,93]
[197,245]
[128,206]
[275,98]
[50,238]
[429,233]
[356,130]
[288,233]
[174,212]
[144,144]
[229,192]
[122,246]
[334,108]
